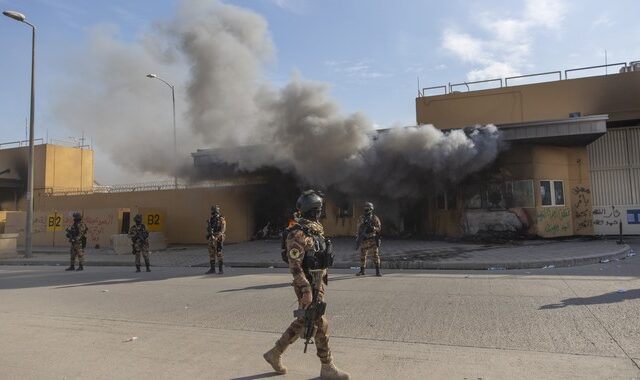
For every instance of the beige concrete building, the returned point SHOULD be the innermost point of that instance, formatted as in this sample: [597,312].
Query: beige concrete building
[571,168]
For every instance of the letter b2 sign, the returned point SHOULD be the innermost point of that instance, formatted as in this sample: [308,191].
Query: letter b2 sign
[54,222]
[154,221]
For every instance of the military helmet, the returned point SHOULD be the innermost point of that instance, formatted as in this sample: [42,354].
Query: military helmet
[215,209]
[309,200]
[77,216]
[368,206]
[137,218]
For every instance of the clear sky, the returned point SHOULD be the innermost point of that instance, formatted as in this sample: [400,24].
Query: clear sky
[370,52]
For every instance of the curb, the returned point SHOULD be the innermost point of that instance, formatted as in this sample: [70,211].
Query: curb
[433,265]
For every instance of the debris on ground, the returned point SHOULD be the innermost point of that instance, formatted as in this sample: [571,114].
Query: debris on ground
[621,290]
[133,338]
[604,261]
[548,266]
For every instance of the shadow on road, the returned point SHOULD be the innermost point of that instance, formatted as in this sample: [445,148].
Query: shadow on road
[606,298]
[280,285]
[56,277]
[258,376]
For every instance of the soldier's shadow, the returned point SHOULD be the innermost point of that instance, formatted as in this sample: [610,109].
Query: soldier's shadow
[263,376]
[606,298]
[258,376]
[280,285]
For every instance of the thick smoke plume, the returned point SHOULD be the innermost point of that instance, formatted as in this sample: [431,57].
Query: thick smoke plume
[215,55]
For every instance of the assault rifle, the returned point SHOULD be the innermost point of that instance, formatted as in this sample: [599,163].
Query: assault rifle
[315,311]
[366,228]
[141,235]
[72,234]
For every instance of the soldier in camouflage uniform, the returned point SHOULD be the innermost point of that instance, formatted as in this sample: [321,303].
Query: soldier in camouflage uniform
[369,228]
[216,227]
[304,241]
[140,242]
[77,235]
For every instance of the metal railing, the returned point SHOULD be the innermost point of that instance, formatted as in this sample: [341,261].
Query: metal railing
[20,143]
[451,86]
[448,89]
[624,64]
[506,80]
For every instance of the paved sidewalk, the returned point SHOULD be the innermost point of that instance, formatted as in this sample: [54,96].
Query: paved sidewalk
[396,254]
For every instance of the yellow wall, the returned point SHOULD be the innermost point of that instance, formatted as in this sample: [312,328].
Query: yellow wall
[537,163]
[616,95]
[55,167]
[49,226]
[67,168]
[185,211]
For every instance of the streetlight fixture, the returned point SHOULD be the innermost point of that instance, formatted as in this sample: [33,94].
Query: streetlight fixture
[28,242]
[175,144]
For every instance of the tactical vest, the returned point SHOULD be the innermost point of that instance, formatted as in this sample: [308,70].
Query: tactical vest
[215,225]
[320,256]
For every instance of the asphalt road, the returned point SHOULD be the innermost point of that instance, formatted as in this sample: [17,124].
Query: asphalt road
[563,323]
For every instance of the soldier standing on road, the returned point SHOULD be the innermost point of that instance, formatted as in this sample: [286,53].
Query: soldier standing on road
[77,235]
[368,238]
[140,242]
[216,227]
[306,249]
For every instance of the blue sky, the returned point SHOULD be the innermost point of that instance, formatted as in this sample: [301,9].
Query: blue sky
[371,52]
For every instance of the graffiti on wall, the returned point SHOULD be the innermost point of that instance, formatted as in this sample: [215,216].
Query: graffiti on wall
[581,205]
[554,221]
[99,225]
[606,216]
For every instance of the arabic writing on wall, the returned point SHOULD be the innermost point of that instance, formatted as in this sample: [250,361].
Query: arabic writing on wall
[554,221]
[582,208]
[606,216]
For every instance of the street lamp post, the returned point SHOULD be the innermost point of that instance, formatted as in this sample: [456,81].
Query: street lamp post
[28,241]
[175,143]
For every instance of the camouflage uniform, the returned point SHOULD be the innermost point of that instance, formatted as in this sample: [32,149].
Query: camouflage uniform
[216,228]
[368,245]
[298,244]
[76,234]
[140,247]
[308,252]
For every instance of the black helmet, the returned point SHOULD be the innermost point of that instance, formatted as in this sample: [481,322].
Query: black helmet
[310,204]
[215,209]
[368,207]
[137,218]
[77,216]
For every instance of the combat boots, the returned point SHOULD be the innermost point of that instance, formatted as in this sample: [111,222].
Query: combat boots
[361,273]
[137,268]
[147,264]
[219,266]
[71,267]
[80,267]
[273,357]
[378,270]
[212,269]
[329,371]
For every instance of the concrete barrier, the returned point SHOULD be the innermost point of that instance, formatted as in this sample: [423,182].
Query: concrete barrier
[8,244]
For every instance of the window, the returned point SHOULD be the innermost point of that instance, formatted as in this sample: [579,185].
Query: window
[520,194]
[552,193]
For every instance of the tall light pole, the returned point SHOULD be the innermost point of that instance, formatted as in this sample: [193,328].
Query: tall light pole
[175,143]
[28,241]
